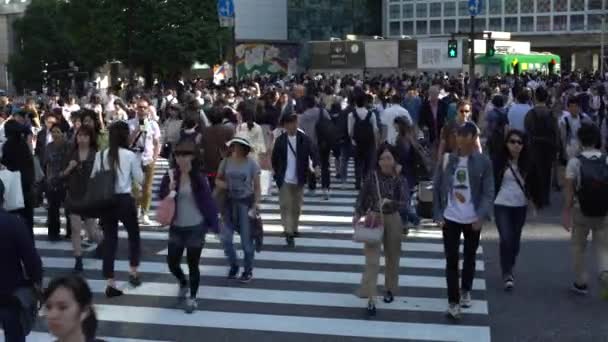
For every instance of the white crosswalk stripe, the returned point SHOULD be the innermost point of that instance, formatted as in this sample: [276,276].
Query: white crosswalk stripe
[295,292]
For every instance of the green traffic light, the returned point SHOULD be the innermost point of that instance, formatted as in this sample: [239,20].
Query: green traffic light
[452,53]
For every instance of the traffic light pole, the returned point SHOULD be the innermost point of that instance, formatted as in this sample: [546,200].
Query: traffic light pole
[472,58]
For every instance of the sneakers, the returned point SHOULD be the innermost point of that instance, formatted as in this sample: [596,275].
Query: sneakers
[509,283]
[246,277]
[191,305]
[454,311]
[183,289]
[145,220]
[290,241]
[112,292]
[465,299]
[371,309]
[581,290]
[388,297]
[134,280]
[234,270]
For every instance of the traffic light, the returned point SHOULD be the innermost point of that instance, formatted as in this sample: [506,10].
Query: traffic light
[452,48]
[552,63]
[490,50]
[515,64]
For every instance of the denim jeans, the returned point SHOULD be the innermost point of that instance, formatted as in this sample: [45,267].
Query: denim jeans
[9,321]
[509,222]
[238,220]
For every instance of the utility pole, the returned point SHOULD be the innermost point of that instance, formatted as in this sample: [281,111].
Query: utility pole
[602,42]
[472,58]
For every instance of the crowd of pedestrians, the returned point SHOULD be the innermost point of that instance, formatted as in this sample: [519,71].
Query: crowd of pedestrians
[497,154]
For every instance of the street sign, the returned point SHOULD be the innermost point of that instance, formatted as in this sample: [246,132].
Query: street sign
[225,12]
[474,7]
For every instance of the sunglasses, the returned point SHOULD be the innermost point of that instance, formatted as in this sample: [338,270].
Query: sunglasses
[183,153]
[515,142]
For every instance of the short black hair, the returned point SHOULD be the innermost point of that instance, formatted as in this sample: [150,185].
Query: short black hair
[541,94]
[589,135]
[498,101]
[289,117]
[574,100]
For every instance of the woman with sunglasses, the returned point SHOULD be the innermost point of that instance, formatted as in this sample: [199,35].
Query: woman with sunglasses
[195,215]
[511,202]
[448,132]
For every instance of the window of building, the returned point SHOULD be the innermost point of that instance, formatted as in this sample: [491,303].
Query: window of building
[408,11]
[480,24]
[560,23]
[594,4]
[435,9]
[495,24]
[408,28]
[560,5]
[543,23]
[394,28]
[394,11]
[449,9]
[435,26]
[463,9]
[577,22]
[577,5]
[464,25]
[526,6]
[511,6]
[527,24]
[421,27]
[421,11]
[449,26]
[543,6]
[495,7]
[511,25]
[594,22]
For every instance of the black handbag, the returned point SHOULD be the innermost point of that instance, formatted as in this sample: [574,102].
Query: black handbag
[99,195]
[29,303]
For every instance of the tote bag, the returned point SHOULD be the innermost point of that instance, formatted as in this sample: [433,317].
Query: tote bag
[13,191]
[166,208]
[99,196]
[371,229]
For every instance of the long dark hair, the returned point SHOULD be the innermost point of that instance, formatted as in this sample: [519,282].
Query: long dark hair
[83,296]
[119,137]
[383,148]
[248,116]
[88,131]
[522,162]
[195,171]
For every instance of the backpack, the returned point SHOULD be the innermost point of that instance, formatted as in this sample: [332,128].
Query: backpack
[497,132]
[363,130]
[593,186]
[543,128]
[327,134]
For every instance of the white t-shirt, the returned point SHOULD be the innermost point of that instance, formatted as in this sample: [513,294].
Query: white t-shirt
[388,119]
[291,173]
[510,193]
[460,208]
[129,170]
[571,130]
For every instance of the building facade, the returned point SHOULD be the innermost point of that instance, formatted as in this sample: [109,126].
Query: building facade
[570,28]
[10,10]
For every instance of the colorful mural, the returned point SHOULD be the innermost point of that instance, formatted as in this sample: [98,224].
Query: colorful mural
[266,59]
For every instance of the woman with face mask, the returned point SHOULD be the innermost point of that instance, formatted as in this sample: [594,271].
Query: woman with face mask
[195,215]
[69,310]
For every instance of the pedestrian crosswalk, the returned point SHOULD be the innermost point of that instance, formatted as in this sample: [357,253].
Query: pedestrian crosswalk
[297,294]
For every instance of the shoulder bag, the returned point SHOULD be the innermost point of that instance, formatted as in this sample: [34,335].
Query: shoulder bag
[371,229]
[99,196]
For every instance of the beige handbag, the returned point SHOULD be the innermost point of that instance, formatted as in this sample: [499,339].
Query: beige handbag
[371,229]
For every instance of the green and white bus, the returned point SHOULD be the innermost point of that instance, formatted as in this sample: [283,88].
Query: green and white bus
[500,63]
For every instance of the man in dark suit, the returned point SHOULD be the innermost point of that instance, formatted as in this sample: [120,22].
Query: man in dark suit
[290,161]
[433,114]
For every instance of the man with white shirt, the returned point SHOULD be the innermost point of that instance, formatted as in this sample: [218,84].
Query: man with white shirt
[518,111]
[145,141]
[388,116]
[291,155]
[363,130]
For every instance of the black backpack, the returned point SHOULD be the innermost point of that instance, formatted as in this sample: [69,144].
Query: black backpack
[363,130]
[593,189]
[327,134]
[496,138]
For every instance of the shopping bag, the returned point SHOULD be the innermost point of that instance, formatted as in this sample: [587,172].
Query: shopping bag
[371,229]
[265,182]
[13,191]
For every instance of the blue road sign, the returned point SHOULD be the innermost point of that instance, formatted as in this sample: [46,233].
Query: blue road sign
[225,8]
[474,7]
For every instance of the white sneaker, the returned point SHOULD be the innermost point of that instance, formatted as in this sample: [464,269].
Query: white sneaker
[145,220]
[465,299]
[454,311]
[191,305]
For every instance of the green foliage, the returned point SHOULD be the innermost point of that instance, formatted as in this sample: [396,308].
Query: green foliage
[163,36]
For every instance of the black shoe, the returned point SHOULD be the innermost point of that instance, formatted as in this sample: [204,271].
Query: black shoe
[78,265]
[134,280]
[112,292]
[581,290]
[296,234]
[371,309]
[234,270]
[99,251]
[290,241]
[246,277]
[388,297]
[54,238]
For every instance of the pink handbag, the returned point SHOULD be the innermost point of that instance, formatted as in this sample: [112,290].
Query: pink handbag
[166,208]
